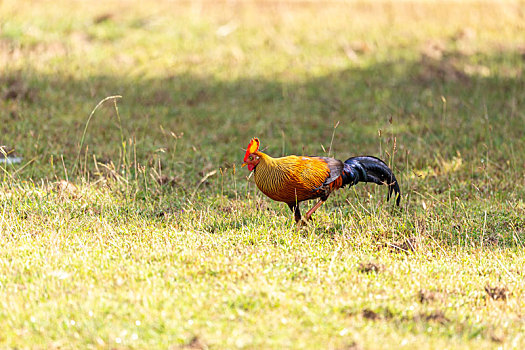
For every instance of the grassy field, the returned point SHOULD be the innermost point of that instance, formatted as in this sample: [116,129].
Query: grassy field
[132,225]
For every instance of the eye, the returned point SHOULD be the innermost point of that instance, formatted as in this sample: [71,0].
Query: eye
[250,157]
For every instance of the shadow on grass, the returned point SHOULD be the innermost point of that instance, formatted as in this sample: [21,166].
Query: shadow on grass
[432,107]
[457,128]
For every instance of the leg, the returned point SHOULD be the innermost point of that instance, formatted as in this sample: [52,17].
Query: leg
[315,207]
[294,207]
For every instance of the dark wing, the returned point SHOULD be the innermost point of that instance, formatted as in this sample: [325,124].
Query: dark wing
[335,166]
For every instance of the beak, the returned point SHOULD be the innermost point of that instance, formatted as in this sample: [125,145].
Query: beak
[243,165]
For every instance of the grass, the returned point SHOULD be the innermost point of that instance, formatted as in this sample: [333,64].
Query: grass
[131,225]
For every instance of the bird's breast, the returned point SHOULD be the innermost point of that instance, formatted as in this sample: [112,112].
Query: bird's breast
[271,182]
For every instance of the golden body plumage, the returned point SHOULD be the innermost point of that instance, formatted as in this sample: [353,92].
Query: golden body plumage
[292,179]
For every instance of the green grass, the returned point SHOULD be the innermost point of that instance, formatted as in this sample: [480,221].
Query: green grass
[145,233]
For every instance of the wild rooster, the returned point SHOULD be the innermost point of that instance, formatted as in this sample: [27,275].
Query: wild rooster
[294,179]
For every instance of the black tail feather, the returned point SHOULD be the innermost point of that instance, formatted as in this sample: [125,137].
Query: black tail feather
[371,169]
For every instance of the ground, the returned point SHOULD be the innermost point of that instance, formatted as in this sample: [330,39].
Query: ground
[132,225]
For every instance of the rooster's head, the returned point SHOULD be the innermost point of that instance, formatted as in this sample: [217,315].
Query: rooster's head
[250,158]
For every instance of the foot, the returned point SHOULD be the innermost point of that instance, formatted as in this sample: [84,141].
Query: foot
[302,223]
